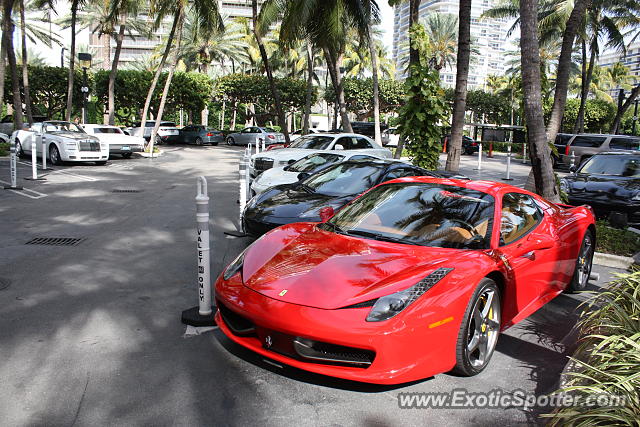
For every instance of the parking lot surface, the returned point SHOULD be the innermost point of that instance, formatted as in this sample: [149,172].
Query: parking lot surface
[91,331]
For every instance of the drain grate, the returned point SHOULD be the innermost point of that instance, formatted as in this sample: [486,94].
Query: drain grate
[55,241]
[4,283]
[126,190]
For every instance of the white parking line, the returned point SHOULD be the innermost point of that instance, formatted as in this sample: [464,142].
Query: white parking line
[64,172]
[25,192]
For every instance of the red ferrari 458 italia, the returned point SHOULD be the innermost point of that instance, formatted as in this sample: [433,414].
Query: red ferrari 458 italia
[415,277]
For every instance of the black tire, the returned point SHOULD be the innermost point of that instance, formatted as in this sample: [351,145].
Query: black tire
[198,141]
[468,151]
[231,141]
[19,150]
[126,155]
[214,144]
[101,163]
[470,362]
[54,155]
[584,263]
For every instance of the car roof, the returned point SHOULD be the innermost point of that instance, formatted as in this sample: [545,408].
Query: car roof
[489,187]
[604,135]
[619,153]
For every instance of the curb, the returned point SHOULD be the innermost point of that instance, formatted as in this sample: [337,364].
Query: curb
[155,155]
[614,261]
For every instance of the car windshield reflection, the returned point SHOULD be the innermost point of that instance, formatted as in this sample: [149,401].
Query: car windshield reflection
[344,179]
[431,215]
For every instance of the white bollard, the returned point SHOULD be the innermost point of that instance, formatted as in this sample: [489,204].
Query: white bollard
[247,184]
[524,153]
[262,143]
[34,161]
[508,177]
[13,169]
[202,315]
[479,157]
[573,159]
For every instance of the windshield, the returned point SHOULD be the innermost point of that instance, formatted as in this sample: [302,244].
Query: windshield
[436,215]
[62,127]
[314,161]
[312,142]
[613,165]
[344,179]
[106,130]
[269,130]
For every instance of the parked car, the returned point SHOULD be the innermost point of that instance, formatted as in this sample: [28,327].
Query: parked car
[367,128]
[469,145]
[306,166]
[167,132]
[331,188]
[390,137]
[609,183]
[410,280]
[586,145]
[7,127]
[199,135]
[62,142]
[251,134]
[118,142]
[317,142]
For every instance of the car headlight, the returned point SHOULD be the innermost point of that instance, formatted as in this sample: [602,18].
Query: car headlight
[235,266]
[388,306]
[564,185]
[636,197]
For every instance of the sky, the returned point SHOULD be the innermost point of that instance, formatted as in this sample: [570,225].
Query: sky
[386,13]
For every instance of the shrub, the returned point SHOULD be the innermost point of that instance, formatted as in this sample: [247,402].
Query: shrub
[616,241]
[4,148]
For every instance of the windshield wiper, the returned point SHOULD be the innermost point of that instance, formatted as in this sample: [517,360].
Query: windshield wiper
[306,188]
[336,229]
[380,237]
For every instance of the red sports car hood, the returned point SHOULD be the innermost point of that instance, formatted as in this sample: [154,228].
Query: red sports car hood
[301,264]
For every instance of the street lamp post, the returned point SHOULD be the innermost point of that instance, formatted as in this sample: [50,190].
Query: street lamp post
[85,63]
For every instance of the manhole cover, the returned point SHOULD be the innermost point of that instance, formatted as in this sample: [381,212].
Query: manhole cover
[55,241]
[4,283]
[126,190]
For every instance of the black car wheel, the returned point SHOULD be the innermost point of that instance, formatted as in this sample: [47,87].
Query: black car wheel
[583,264]
[101,163]
[468,151]
[231,141]
[54,155]
[19,151]
[198,141]
[126,155]
[479,331]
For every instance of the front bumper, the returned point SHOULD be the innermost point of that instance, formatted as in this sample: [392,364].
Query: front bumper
[603,207]
[213,140]
[391,352]
[118,149]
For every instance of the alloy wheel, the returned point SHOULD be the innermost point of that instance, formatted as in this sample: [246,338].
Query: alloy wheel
[484,328]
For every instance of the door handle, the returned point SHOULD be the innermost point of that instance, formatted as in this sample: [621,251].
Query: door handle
[531,255]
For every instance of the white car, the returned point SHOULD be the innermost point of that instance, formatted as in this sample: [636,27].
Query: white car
[119,142]
[390,137]
[167,132]
[298,133]
[62,142]
[304,167]
[317,142]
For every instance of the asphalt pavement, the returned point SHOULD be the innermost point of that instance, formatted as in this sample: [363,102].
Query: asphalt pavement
[91,335]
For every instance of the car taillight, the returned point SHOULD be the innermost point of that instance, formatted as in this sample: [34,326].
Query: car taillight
[209,134]
[474,144]
[566,150]
[271,137]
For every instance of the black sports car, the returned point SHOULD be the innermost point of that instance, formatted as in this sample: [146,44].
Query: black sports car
[316,196]
[610,184]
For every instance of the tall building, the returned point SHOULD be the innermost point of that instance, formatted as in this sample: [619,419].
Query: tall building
[489,36]
[136,47]
[631,60]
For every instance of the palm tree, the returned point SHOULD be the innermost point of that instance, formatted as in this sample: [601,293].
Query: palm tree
[7,39]
[371,13]
[443,38]
[25,70]
[540,153]
[462,74]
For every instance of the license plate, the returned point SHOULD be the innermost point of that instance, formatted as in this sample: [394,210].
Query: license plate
[126,148]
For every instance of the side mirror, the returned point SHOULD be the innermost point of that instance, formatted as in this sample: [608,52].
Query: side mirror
[303,175]
[326,213]
[291,161]
[338,147]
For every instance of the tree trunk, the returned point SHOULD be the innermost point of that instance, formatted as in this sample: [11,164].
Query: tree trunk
[8,28]
[584,94]
[25,69]
[113,73]
[167,84]
[234,115]
[376,89]
[414,16]
[3,68]
[615,127]
[564,68]
[462,74]
[265,60]
[539,152]
[72,60]
[307,99]
[156,77]
[334,61]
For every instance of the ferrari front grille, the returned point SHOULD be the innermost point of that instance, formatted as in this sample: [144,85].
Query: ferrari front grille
[238,324]
[331,353]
